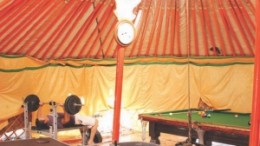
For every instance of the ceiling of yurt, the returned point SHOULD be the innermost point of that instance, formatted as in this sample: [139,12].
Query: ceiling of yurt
[59,29]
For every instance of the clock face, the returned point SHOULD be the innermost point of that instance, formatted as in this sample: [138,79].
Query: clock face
[125,33]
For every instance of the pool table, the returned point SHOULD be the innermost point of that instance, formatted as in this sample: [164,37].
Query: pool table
[220,126]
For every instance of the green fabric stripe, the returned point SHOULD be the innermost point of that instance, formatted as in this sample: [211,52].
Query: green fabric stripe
[110,65]
[113,63]
[133,58]
[11,56]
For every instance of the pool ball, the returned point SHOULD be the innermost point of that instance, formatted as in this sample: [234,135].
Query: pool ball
[249,123]
[203,115]
[170,113]
[236,115]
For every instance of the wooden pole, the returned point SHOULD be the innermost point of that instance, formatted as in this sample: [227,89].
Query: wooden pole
[118,94]
[255,116]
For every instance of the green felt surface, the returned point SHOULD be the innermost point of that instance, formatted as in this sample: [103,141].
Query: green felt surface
[222,118]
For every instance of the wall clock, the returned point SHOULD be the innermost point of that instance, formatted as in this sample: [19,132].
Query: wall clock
[125,32]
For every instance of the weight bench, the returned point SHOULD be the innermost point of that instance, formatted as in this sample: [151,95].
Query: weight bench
[53,130]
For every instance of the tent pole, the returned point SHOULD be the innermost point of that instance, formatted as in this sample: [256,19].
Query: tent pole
[118,94]
[255,116]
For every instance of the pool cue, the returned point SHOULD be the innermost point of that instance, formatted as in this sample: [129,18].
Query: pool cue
[176,113]
[195,110]
[219,110]
[189,142]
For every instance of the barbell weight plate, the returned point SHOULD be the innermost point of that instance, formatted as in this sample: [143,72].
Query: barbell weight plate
[72,100]
[65,105]
[33,102]
[72,108]
[69,104]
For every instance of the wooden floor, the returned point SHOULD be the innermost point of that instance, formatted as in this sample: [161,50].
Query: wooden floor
[73,138]
[133,136]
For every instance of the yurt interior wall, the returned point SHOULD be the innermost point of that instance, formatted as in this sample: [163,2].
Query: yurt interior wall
[184,52]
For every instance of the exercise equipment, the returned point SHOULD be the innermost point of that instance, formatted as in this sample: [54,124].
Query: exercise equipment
[72,104]
[33,102]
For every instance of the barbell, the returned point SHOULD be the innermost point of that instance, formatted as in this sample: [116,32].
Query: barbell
[72,104]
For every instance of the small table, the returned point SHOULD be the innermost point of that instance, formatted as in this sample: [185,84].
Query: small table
[221,126]
[34,142]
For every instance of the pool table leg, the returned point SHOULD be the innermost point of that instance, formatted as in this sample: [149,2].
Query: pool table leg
[144,123]
[153,133]
[200,134]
